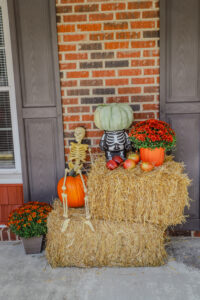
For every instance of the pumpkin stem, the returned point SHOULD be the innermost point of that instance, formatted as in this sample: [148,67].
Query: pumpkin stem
[72,173]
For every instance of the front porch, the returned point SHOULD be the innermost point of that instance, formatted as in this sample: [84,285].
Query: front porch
[30,277]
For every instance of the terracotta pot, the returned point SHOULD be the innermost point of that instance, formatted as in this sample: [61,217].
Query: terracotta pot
[155,156]
[32,245]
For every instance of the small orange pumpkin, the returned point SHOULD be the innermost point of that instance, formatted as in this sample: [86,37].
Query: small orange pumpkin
[74,190]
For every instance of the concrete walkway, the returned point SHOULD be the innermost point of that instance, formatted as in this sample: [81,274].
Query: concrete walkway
[29,277]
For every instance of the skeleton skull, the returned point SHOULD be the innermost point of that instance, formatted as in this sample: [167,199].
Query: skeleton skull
[79,134]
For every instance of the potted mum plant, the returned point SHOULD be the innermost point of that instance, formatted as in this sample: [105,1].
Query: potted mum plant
[153,138]
[29,222]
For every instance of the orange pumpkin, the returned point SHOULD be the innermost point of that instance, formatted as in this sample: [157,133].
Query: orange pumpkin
[74,190]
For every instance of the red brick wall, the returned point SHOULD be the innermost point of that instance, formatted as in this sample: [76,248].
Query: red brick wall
[11,197]
[108,52]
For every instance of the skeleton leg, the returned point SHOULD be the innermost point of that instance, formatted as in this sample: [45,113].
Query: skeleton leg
[88,222]
[108,155]
[122,154]
[65,205]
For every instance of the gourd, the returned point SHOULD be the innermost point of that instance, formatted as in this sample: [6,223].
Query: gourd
[74,190]
[112,117]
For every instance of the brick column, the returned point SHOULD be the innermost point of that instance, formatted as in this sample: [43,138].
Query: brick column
[108,52]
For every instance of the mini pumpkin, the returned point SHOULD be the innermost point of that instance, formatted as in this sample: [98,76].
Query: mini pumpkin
[74,190]
[114,116]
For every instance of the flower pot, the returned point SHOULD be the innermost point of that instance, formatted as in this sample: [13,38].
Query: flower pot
[32,245]
[154,156]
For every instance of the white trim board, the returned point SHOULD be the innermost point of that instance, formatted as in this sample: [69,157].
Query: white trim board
[11,175]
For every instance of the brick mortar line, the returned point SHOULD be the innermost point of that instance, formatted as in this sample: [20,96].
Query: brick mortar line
[89,60]
[107,77]
[113,1]
[121,95]
[109,69]
[104,77]
[78,43]
[111,86]
[111,95]
[103,31]
[90,88]
[116,21]
[130,59]
[109,59]
[138,11]
[124,76]
[114,11]
[111,41]
[131,103]
[96,104]
[112,69]
[155,101]
[106,2]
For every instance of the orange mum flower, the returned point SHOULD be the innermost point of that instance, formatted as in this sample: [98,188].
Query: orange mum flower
[34,214]
[39,221]
[34,207]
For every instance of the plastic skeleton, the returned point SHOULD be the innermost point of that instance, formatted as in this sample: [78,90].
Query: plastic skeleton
[77,157]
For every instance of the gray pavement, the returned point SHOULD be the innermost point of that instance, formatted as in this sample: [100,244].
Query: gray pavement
[29,277]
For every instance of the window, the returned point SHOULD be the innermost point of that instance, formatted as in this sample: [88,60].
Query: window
[10,165]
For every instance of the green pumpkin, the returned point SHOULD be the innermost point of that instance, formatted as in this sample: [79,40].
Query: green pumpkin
[115,116]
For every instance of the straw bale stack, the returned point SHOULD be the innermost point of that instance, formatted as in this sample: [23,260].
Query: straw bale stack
[157,197]
[130,212]
[112,243]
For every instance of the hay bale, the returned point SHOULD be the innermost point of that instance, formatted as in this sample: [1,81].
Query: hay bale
[158,197]
[112,244]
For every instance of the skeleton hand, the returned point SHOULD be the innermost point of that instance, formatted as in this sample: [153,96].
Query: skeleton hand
[128,146]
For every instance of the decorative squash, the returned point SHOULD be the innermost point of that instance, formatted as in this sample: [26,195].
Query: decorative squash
[74,190]
[112,117]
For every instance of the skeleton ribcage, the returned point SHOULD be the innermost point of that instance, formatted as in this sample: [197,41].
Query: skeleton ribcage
[115,137]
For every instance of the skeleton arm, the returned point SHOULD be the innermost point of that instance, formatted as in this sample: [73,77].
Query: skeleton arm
[127,142]
[102,143]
